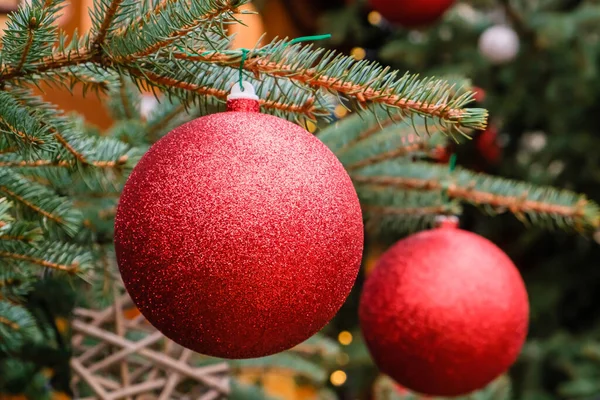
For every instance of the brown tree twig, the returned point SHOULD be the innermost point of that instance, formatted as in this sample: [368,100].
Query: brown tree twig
[312,78]
[32,206]
[411,146]
[38,261]
[367,133]
[307,108]
[179,33]
[46,64]
[62,163]
[17,238]
[12,325]
[30,37]
[437,210]
[33,24]
[139,24]
[109,17]
[22,135]
[164,122]
[517,205]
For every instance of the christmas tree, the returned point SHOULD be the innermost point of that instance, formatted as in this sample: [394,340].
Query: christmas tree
[61,179]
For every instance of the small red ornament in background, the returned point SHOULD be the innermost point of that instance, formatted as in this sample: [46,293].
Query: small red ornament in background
[239,234]
[488,145]
[479,94]
[445,312]
[411,13]
[441,154]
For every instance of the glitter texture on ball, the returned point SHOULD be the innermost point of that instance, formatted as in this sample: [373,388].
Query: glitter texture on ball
[239,234]
[445,312]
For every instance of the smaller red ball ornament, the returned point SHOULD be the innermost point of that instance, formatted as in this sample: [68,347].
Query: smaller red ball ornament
[445,312]
[411,13]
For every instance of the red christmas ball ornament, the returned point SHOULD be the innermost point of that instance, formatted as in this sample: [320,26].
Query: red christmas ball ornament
[411,13]
[488,146]
[441,154]
[445,312]
[479,94]
[239,234]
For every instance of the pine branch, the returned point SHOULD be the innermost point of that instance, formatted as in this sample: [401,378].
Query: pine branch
[129,100]
[5,215]
[376,135]
[365,81]
[58,60]
[308,108]
[373,129]
[109,11]
[166,117]
[41,201]
[87,75]
[27,48]
[19,127]
[543,206]
[146,16]
[398,142]
[16,162]
[193,16]
[30,34]
[16,326]
[377,130]
[21,231]
[396,211]
[62,257]
[82,151]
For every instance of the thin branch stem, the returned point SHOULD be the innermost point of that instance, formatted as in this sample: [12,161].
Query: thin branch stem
[12,325]
[109,17]
[139,24]
[123,93]
[406,211]
[516,205]
[178,33]
[388,155]
[392,119]
[62,163]
[56,61]
[30,36]
[38,261]
[311,77]
[22,135]
[307,108]
[31,205]
[16,238]
[160,125]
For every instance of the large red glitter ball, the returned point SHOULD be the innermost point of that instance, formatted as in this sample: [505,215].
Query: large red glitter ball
[239,234]
[444,312]
[411,13]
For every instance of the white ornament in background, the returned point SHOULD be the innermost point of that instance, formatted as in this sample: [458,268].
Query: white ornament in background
[147,105]
[534,142]
[499,44]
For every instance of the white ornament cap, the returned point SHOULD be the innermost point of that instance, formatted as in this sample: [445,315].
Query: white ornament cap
[248,92]
[447,221]
[499,44]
